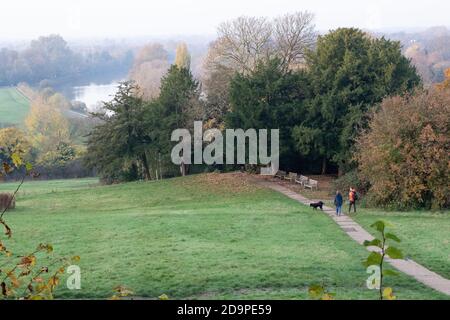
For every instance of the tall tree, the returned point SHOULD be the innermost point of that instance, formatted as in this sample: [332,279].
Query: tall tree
[182,56]
[177,107]
[350,72]
[116,147]
[269,98]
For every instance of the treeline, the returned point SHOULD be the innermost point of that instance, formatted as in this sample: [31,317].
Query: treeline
[49,61]
[321,92]
[428,50]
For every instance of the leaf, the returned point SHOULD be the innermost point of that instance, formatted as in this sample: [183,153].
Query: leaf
[14,281]
[7,168]
[388,294]
[76,258]
[16,159]
[379,225]
[28,167]
[163,297]
[373,259]
[374,242]
[394,253]
[316,291]
[388,272]
[328,296]
[392,237]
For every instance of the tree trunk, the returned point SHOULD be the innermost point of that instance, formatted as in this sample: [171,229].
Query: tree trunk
[146,168]
[183,169]
[324,165]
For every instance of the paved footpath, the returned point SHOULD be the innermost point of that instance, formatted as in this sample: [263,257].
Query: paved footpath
[359,234]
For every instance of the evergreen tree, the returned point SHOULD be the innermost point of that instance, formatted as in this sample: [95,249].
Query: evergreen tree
[349,72]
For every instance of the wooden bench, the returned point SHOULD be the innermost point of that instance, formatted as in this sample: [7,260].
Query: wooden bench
[311,184]
[301,180]
[291,176]
[280,174]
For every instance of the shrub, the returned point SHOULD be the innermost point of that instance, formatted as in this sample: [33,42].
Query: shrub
[404,154]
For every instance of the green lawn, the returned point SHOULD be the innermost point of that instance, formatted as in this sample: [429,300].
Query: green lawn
[425,235]
[193,238]
[14,106]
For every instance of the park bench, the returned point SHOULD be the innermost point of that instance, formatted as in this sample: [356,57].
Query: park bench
[311,184]
[301,180]
[280,174]
[291,176]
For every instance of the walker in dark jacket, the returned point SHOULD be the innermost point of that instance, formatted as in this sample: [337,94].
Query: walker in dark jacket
[338,201]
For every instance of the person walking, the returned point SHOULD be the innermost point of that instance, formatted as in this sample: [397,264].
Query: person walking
[338,201]
[352,200]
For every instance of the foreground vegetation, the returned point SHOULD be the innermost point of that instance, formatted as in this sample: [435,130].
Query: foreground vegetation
[204,236]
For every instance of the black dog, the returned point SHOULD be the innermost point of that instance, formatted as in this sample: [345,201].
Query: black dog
[316,205]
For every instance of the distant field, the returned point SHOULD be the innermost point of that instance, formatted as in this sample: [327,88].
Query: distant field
[14,106]
[197,237]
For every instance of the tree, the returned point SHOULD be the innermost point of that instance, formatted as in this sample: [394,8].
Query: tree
[46,125]
[14,141]
[243,43]
[116,147]
[349,72]
[177,107]
[150,65]
[182,56]
[404,154]
[269,98]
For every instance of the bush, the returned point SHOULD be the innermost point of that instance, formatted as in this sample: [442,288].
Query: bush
[404,155]
[350,179]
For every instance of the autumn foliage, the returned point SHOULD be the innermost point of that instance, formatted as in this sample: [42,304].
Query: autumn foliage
[405,154]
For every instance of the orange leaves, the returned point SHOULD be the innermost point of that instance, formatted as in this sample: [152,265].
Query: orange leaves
[404,156]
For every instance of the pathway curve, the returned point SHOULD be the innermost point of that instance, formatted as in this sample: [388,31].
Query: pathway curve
[359,234]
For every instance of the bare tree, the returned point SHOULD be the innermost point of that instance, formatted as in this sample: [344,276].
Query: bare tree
[294,34]
[244,42]
[150,65]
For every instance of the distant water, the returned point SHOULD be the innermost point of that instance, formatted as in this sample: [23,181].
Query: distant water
[94,94]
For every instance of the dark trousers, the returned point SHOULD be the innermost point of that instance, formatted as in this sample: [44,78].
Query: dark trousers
[352,203]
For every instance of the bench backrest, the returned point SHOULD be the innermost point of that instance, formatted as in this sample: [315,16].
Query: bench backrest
[281,173]
[292,175]
[313,182]
[303,178]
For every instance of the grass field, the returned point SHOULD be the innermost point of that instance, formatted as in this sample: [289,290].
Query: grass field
[14,106]
[425,235]
[199,237]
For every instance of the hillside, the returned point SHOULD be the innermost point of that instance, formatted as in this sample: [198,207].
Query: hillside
[205,236]
[14,106]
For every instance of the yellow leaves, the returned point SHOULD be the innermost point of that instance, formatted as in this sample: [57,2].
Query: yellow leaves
[318,292]
[122,291]
[75,258]
[16,159]
[388,294]
[163,297]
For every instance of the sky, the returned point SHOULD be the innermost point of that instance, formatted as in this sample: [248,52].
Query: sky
[24,19]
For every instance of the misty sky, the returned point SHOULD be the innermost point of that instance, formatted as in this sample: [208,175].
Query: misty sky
[100,18]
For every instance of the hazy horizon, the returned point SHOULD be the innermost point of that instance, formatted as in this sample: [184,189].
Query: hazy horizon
[22,20]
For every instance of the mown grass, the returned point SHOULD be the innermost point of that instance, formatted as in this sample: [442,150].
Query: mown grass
[196,237]
[425,235]
[14,107]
